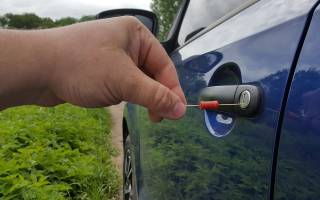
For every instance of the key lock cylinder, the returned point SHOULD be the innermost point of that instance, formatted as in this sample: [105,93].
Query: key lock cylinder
[241,100]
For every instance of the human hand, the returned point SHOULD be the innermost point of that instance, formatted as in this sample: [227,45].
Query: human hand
[104,62]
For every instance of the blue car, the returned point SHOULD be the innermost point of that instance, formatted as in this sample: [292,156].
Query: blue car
[263,56]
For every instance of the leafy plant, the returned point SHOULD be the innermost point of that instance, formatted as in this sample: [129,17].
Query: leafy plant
[56,153]
[166,11]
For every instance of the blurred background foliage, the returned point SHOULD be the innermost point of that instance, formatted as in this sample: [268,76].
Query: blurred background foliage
[166,11]
[33,21]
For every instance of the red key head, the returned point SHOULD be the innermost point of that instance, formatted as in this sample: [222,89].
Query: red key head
[209,105]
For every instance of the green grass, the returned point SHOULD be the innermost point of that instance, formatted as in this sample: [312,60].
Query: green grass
[56,153]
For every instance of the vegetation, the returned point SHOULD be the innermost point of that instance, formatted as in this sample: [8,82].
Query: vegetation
[32,21]
[166,11]
[56,153]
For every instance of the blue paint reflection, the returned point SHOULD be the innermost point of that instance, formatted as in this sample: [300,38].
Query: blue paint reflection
[303,110]
[203,63]
[298,174]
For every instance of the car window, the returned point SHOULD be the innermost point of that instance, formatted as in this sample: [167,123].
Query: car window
[201,13]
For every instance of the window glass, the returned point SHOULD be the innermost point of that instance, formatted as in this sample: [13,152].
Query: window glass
[201,13]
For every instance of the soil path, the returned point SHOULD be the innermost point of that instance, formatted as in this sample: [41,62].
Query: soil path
[116,137]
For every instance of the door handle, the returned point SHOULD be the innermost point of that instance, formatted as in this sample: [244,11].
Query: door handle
[247,97]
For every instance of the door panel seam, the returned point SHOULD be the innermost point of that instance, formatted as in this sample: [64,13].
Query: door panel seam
[285,99]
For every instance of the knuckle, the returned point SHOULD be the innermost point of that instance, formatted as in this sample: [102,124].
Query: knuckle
[131,87]
[132,21]
[162,99]
[136,26]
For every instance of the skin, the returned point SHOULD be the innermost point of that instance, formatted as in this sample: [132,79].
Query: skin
[92,64]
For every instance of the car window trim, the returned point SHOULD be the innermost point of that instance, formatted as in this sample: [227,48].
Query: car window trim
[219,21]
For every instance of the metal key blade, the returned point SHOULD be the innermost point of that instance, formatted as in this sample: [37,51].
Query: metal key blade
[223,104]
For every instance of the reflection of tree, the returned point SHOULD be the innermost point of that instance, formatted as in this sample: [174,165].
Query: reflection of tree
[308,81]
[298,174]
[303,105]
[273,88]
[180,160]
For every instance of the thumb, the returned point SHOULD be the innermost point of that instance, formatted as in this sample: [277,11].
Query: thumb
[151,94]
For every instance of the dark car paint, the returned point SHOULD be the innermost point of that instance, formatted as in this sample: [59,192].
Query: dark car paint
[182,160]
[298,175]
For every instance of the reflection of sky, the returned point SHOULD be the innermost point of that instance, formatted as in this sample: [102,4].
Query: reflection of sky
[311,54]
[261,18]
[265,53]
[211,11]
[256,18]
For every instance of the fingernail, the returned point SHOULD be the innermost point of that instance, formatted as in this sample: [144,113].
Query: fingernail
[178,110]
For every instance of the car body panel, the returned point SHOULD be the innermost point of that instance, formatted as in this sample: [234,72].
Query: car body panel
[298,175]
[183,159]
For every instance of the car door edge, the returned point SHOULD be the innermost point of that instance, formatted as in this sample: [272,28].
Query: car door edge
[285,99]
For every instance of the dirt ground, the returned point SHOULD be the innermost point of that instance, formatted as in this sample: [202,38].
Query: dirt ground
[116,137]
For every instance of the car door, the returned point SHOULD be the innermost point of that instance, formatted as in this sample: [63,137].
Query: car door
[298,175]
[210,155]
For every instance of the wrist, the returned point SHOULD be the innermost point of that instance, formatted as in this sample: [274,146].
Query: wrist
[46,51]
[24,66]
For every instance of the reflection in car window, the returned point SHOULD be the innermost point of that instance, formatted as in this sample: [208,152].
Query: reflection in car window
[201,13]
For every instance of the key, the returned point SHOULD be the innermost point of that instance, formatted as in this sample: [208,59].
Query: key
[211,105]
